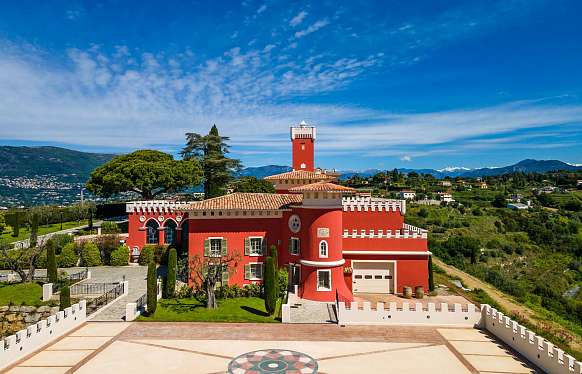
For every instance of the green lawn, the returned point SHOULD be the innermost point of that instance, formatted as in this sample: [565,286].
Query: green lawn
[244,309]
[24,232]
[21,294]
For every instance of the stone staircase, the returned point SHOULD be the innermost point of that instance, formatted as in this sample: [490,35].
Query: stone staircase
[307,311]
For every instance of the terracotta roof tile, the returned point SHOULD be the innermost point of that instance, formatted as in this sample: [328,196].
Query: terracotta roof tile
[301,174]
[247,201]
[322,186]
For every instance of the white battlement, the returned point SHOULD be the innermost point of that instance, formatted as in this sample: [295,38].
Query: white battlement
[160,206]
[388,234]
[409,314]
[373,204]
[303,131]
[535,348]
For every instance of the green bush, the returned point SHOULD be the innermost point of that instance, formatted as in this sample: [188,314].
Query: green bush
[170,281]
[283,281]
[108,227]
[253,290]
[65,297]
[152,289]
[60,241]
[120,257]
[40,261]
[90,255]
[68,257]
[146,255]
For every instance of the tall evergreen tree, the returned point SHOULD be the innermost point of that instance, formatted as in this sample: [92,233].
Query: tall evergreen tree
[270,285]
[51,262]
[34,230]
[65,296]
[170,284]
[16,227]
[210,151]
[430,275]
[90,219]
[152,289]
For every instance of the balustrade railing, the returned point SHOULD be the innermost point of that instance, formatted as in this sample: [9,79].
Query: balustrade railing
[99,302]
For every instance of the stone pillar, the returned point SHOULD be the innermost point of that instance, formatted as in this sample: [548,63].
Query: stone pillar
[130,312]
[47,291]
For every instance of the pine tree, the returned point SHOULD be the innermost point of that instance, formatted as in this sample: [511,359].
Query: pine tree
[430,275]
[170,284]
[152,289]
[210,151]
[51,262]
[270,285]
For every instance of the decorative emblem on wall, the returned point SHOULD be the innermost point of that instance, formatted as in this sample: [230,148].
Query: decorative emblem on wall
[276,361]
[294,223]
[178,218]
[160,218]
[142,218]
[323,232]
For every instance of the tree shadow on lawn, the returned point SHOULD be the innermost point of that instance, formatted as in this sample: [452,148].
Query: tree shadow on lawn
[185,307]
[254,311]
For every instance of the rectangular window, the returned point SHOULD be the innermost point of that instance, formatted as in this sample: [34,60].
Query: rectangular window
[216,247]
[256,248]
[256,271]
[324,280]
[295,249]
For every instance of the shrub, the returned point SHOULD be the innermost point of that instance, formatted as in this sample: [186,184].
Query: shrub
[51,262]
[185,292]
[65,297]
[271,285]
[146,255]
[253,290]
[152,289]
[90,255]
[108,227]
[423,212]
[106,245]
[282,281]
[170,283]
[40,261]
[161,254]
[68,256]
[60,241]
[120,257]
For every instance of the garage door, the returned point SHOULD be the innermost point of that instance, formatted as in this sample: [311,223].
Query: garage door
[372,279]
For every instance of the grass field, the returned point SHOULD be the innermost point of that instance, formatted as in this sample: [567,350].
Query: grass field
[24,232]
[244,309]
[21,294]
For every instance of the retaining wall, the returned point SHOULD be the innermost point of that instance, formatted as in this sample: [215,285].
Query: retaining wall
[26,341]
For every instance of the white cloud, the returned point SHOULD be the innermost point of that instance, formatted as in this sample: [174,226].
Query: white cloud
[298,18]
[406,158]
[261,9]
[313,28]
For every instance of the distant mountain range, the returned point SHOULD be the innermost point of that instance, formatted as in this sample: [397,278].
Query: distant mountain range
[53,175]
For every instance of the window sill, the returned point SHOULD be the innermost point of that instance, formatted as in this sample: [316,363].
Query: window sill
[255,255]
[323,289]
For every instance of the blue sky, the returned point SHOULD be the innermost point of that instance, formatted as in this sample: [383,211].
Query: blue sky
[388,83]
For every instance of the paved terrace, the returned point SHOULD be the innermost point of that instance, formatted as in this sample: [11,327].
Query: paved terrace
[99,347]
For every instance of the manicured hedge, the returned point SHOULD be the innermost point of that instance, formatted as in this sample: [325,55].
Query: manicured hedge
[120,257]
[146,255]
[68,257]
[90,255]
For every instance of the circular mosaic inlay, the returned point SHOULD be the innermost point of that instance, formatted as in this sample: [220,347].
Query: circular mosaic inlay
[273,361]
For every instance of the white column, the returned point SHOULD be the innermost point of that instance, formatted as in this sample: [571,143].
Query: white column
[47,291]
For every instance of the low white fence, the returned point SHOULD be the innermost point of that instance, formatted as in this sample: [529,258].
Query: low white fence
[24,342]
[535,348]
[415,314]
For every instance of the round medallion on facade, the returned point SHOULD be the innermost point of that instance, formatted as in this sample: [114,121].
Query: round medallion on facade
[160,218]
[294,223]
[178,218]
[142,218]
[273,361]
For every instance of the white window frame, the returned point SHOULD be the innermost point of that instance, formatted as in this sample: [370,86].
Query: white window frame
[323,288]
[298,241]
[250,270]
[326,255]
[210,239]
[251,247]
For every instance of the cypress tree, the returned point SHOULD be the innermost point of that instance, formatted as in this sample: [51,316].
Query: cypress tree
[51,262]
[16,227]
[65,296]
[270,285]
[152,289]
[170,284]
[430,275]
[90,220]
[273,253]
[34,230]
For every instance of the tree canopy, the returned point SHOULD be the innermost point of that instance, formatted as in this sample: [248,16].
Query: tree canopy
[252,184]
[146,172]
[210,152]
[2,222]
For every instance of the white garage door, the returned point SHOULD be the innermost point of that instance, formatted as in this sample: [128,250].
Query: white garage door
[376,278]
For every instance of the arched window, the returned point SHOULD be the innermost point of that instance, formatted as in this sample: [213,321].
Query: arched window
[323,248]
[152,232]
[170,232]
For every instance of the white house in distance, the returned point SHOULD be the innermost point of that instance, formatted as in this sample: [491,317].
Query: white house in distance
[446,197]
[445,183]
[407,194]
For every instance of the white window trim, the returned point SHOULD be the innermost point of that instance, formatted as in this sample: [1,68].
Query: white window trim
[326,249]
[256,254]
[294,238]
[210,243]
[256,263]
[321,288]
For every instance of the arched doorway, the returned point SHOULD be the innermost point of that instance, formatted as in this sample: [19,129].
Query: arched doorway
[152,233]
[170,233]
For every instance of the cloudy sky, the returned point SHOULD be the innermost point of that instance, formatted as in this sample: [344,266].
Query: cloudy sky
[388,83]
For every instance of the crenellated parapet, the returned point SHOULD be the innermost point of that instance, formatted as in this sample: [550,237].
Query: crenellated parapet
[373,204]
[386,234]
[156,206]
